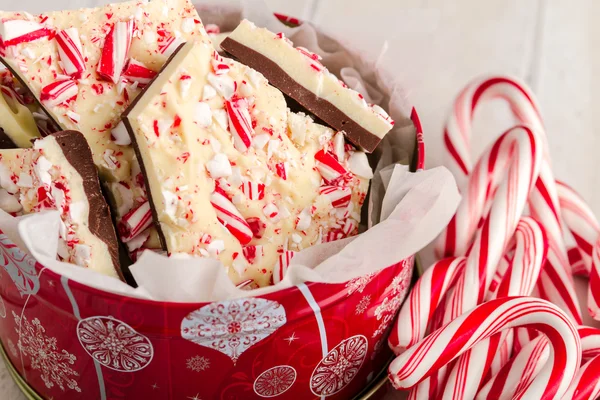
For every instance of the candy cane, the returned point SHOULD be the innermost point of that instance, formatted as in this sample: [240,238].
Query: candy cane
[520,278]
[488,319]
[518,373]
[594,287]
[556,282]
[518,149]
[581,222]
[424,298]
[521,369]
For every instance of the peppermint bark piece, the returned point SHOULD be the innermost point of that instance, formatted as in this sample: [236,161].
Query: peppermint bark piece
[86,66]
[298,73]
[58,173]
[232,174]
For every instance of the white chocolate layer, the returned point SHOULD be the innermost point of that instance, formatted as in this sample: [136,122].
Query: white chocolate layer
[189,147]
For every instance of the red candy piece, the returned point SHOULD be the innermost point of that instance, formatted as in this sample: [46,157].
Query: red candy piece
[135,222]
[70,52]
[59,92]
[138,72]
[114,53]
[231,218]
[257,226]
[339,196]
[282,265]
[253,190]
[17,31]
[281,170]
[240,124]
[329,168]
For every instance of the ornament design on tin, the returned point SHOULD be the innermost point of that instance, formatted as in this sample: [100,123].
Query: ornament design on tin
[359,283]
[198,363]
[53,363]
[114,344]
[396,291]
[233,326]
[337,369]
[19,266]
[275,381]
[2,308]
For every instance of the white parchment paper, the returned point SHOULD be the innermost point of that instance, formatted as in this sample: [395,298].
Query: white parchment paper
[405,210]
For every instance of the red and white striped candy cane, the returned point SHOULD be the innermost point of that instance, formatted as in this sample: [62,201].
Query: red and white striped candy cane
[521,369]
[582,224]
[516,156]
[470,370]
[425,297]
[556,282]
[518,373]
[488,319]
[586,384]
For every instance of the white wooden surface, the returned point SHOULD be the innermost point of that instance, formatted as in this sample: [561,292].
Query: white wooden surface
[437,46]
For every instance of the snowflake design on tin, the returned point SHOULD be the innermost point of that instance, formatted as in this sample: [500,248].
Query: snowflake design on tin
[359,283]
[198,363]
[233,326]
[396,290]
[337,369]
[12,348]
[19,266]
[53,363]
[275,381]
[114,344]
[363,304]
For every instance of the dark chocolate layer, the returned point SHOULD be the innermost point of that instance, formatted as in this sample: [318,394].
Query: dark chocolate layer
[78,153]
[5,141]
[323,109]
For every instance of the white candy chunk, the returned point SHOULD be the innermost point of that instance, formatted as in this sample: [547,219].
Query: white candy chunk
[15,28]
[124,195]
[9,202]
[272,148]
[5,179]
[170,199]
[255,77]
[208,92]
[304,220]
[296,238]
[338,146]
[138,241]
[76,210]
[219,166]
[59,197]
[63,249]
[120,135]
[239,265]
[215,247]
[221,118]
[203,115]
[223,84]
[297,125]
[164,125]
[25,180]
[216,145]
[259,141]
[187,25]
[41,169]
[83,254]
[236,177]
[359,165]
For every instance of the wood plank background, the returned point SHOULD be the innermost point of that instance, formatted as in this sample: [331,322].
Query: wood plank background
[437,46]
